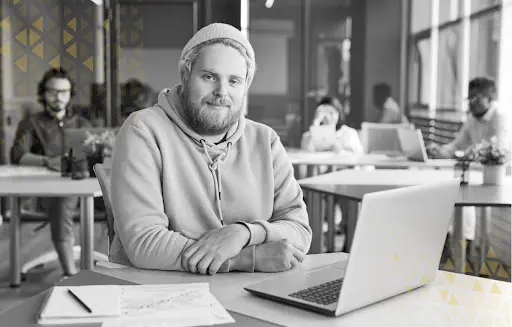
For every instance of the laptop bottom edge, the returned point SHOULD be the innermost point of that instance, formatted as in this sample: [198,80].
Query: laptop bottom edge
[298,304]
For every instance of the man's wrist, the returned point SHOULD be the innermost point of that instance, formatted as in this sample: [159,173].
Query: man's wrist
[245,260]
[246,231]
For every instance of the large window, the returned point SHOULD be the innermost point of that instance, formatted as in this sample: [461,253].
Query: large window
[451,41]
[448,67]
[484,46]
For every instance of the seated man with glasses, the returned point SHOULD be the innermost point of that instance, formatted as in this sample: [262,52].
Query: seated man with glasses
[486,121]
[39,142]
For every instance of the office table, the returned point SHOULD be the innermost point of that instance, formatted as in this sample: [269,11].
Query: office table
[451,300]
[331,160]
[19,181]
[353,184]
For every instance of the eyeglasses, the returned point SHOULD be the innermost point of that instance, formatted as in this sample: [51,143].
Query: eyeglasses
[54,92]
[474,98]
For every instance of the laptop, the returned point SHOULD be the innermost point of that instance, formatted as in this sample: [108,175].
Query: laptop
[413,147]
[378,138]
[397,247]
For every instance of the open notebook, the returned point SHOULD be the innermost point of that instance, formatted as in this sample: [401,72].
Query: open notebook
[115,305]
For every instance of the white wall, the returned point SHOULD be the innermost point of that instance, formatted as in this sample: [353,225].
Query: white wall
[382,62]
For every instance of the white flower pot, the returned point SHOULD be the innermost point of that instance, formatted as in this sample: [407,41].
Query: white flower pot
[494,174]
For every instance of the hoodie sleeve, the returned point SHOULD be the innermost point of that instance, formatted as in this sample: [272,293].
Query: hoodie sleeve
[289,218]
[137,202]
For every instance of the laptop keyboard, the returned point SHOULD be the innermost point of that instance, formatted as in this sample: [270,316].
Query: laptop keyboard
[325,293]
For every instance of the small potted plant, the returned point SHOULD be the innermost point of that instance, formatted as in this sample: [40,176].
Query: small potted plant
[494,157]
[98,147]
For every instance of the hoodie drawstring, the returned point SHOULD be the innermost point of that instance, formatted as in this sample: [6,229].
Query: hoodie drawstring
[215,170]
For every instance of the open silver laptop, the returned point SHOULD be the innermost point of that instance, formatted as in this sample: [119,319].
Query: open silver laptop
[378,138]
[397,247]
[413,147]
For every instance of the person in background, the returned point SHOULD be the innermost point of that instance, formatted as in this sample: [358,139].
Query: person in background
[195,185]
[38,142]
[484,122]
[329,114]
[388,108]
[135,96]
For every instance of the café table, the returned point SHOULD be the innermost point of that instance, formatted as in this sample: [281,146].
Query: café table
[450,300]
[22,181]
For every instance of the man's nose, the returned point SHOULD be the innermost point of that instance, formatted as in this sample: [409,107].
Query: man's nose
[61,96]
[221,89]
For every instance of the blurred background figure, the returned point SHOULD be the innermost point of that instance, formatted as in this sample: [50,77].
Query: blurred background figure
[328,131]
[388,108]
[135,96]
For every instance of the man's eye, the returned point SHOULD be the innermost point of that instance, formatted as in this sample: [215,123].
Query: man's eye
[208,77]
[234,81]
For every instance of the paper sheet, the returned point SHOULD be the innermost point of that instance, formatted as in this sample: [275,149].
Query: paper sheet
[169,305]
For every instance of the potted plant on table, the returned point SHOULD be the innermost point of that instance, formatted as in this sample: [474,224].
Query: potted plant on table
[494,157]
[98,148]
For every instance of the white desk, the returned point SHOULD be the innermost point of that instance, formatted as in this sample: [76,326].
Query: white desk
[451,300]
[311,161]
[18,181]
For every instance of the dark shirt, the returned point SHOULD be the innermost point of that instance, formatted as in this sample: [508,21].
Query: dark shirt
[47,140]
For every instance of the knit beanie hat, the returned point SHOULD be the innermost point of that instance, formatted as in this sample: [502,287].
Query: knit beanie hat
[221,31]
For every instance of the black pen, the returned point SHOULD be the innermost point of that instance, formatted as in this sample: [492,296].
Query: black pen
[79,301]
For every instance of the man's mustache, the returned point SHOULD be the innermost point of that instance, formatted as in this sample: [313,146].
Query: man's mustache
[220,102]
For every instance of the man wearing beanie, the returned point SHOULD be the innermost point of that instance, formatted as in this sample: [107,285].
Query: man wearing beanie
[198,187]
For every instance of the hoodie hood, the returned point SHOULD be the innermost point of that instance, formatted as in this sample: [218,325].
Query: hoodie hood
[170,102]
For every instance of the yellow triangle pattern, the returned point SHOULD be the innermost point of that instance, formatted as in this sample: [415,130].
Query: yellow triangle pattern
[33,37]
[484,270]
[449,265]
[496,289]
[502,272]
[444,294]
[493,266]
[451,277]
[38,24]
[106,24]
[453,300]
[5,48]
[467,268]
[478,287]
[38,50]
[67,11]
[396,258]
[72,50]
[89,63]
[22,37]
[424,279]
[85,24]
[55,62]
[66,37]
[491,253]
[22,63]
[15,2]
[5,24]
[72,24]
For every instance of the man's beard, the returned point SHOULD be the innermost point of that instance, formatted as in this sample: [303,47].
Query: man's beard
[55,107]
[209,121]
